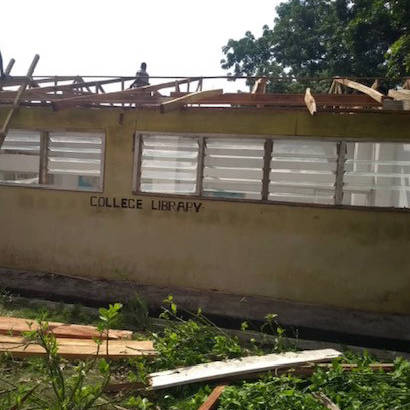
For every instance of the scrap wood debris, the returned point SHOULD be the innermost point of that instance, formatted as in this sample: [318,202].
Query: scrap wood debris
[302,364]
[226,368]
[78,348]
[212,400]
[14,326]
[73,341]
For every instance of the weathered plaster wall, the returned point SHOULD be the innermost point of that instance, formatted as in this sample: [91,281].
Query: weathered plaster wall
[349,258]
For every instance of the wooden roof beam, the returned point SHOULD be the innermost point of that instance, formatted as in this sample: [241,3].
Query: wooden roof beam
[376,95]
[191,98]
[260,86]
[310,102]
[72,102]
[72,86]
[400,95]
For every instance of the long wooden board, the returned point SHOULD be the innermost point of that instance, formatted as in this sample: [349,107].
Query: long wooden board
[14,326]
[247,365]
[78,348]
[188,99]
[212,400]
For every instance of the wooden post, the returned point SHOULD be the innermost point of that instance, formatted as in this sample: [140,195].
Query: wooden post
[9,66]
[8,69]
[23,86]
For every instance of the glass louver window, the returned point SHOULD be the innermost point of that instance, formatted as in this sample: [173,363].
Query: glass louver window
[74,160]
[233,168]
[20,158]
[303,171]
[169,164]
[377,174]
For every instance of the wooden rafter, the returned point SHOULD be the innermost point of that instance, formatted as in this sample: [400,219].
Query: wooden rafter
[400,95]
[73,86]
[260,86]
[16,102]
[376,95]
[72,102]
[190,98]
[310,102]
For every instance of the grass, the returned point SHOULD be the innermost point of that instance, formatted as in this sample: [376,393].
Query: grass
[186,342]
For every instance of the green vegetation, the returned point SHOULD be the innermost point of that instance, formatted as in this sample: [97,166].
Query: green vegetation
[326,38]
[185,339]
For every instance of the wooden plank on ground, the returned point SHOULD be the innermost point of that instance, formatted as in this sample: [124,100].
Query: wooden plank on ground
[188,99]
[212,400]
[226,368]
[376,95]
[78,348]
[322,398]
[300,371]
[14,326]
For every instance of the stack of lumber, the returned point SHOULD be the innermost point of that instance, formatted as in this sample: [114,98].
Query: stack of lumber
[13,326]
[74,341]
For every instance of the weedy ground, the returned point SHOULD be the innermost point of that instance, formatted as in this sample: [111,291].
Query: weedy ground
[56,384]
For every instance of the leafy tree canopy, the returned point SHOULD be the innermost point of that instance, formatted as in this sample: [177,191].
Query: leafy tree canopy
[325,38]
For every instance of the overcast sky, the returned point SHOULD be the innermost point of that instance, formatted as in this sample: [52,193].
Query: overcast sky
[107,37]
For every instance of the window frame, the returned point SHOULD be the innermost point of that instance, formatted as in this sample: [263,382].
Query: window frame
[43,159]
[341,146]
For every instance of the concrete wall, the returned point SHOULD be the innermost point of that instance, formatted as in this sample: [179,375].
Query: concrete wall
[348,258]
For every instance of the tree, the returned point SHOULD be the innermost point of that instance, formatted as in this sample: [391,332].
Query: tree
[326,38]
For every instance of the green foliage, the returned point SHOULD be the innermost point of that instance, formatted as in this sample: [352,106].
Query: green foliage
[284,392]
[71,392]
[325,38]
[135,314]
[364,388]
[193,341]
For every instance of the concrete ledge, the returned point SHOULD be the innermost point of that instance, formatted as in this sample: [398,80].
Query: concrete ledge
[212,302]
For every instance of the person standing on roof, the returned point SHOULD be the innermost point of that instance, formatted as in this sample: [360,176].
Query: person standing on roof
[142,77]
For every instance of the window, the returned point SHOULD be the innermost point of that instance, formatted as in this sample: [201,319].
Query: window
[20,158]
[303,171]
[169,164]
[233,168]
[286,170]
[377,174]
[74,161]
[66,160]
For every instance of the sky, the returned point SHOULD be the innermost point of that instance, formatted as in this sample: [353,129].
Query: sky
[101,37]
